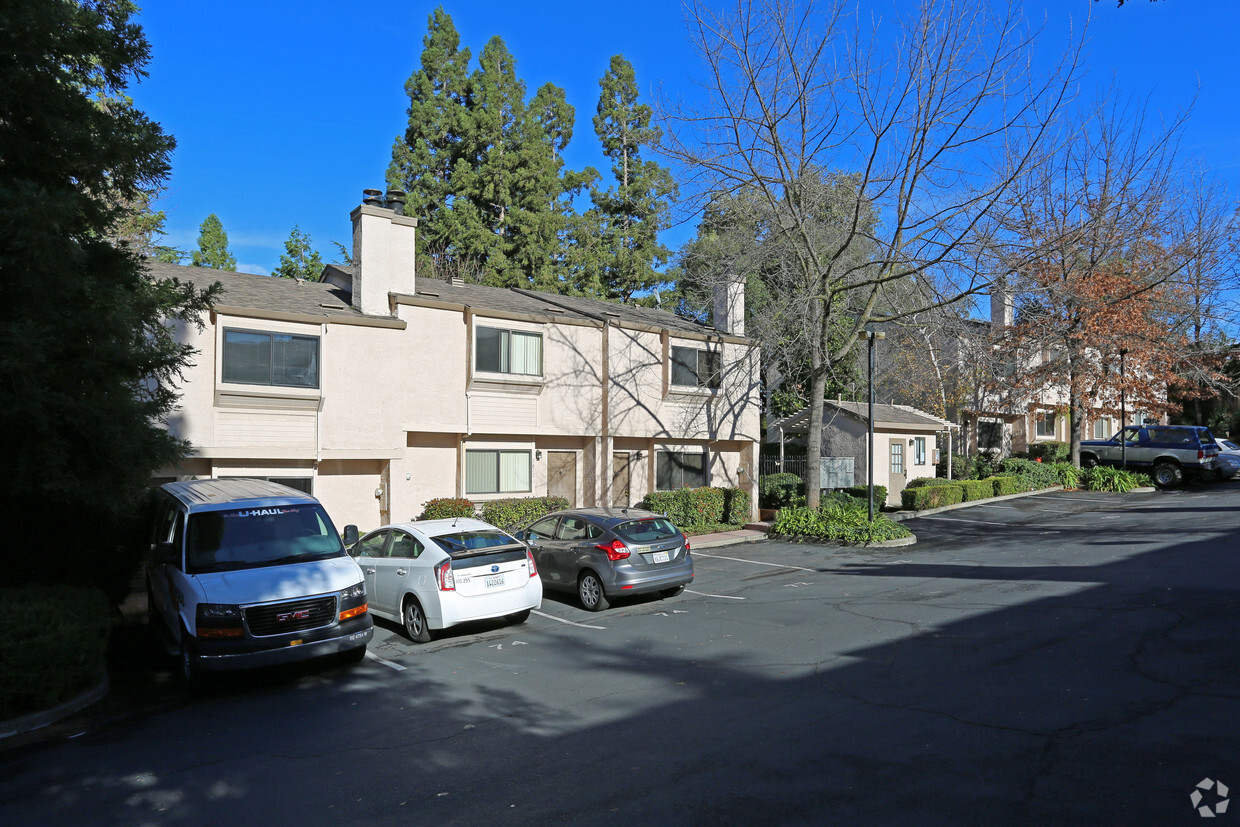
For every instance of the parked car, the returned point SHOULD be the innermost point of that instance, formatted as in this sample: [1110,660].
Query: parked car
[434,574]
[602,553]
[1170,453]
[1228,459]
[248,573]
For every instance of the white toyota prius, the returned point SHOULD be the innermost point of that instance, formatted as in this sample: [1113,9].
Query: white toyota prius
[433,574]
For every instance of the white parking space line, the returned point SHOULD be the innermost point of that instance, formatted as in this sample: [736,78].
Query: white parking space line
[1039,510]
[569,622]
[387,663]
[754,562]
[724,596]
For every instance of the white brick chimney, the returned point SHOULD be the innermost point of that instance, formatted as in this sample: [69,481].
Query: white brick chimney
[729,308]
[1000,304]
[383,251]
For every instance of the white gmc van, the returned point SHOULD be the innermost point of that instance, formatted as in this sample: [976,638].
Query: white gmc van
[246,573]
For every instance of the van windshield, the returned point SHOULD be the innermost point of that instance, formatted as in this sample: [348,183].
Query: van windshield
[255,537]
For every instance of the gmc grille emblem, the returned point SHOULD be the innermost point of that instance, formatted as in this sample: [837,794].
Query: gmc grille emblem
[303,614]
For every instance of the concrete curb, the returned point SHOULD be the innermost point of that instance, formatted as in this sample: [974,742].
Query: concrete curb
[899,542]
[38,720]
[900,516]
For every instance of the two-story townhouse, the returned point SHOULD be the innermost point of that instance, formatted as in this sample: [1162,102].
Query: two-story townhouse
[378,391]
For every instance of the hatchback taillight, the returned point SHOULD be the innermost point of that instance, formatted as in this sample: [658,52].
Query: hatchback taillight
[686,545]
[615,550]
[529,555]
[444,578]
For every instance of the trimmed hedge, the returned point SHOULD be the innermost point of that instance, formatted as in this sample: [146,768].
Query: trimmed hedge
[976,489]
[780,490]
[735,505]
[862,492]
[445,507]
[1005,484]
[53,645]
[922,482]
[931,496]
[518,511]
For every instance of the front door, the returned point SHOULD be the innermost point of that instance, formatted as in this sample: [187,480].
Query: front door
[562,475]
[621,479]
[898,477]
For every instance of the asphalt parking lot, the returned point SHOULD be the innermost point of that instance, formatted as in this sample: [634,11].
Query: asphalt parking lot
[1062,658]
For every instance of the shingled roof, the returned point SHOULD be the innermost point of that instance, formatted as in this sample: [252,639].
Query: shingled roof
[890,417]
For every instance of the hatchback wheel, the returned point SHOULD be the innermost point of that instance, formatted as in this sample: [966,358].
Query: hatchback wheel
[519,617]
[672,592]
[590,592]
[416,627]
[1168,475]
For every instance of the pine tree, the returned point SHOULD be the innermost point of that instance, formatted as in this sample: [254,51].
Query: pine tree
[87,356]
[213,249]
[630,214]
[300,259]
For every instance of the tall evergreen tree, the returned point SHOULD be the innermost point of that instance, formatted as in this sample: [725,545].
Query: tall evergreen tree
[300,260]
[87,355]
[213,249]
[425,157]
[630,214]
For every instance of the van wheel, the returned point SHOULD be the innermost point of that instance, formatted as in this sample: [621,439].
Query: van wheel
[416,627]
[191,674]
[351,657]
[1168,475]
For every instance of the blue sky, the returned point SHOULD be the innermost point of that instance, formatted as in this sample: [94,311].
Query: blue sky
[285,111]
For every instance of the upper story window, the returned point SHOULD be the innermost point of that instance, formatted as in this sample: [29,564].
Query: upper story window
[1102,428]
[508,351]
[254,358]
[695,368]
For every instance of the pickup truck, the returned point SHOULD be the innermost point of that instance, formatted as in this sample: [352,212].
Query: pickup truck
[1169,453]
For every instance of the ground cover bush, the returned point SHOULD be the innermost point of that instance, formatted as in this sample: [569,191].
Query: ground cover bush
[1033,474]
[862,492]
[53,645]
[1116,480]
[1069,475]
[841,520]
[1049,451]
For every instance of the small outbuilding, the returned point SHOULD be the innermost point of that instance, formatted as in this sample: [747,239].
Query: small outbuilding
[906,442]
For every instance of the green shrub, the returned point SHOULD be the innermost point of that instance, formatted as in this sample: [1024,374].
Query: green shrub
[839,520]
[1117,480]
[735,505]
[53,645]
[1034,475]
[446,507]
[983,465]
[1006,484]
[688,507]
[1049,451]
[931,496]
[922,482]
[862,492]
[1069,475]
[961,467]
[518,511]
[976,490]
[780,490]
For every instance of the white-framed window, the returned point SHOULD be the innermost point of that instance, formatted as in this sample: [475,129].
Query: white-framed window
[680,469]
[508,351]
[497,472]
[919,450]
[1045,424]
[254,357]
[695,368]
[1102,427]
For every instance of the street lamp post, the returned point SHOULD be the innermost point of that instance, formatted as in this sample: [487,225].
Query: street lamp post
[869,336]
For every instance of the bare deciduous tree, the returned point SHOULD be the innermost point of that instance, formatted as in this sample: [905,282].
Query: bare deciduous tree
[921,108]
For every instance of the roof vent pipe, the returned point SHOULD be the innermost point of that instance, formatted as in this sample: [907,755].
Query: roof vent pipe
[396,201]
[372,198]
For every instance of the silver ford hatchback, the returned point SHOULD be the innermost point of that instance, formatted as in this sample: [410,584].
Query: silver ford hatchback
[605,553]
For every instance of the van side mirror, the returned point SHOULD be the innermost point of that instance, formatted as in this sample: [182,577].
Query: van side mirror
[166,553]
[350,535]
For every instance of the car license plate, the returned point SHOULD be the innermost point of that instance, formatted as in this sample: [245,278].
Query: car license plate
[493,581]
[661,557]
